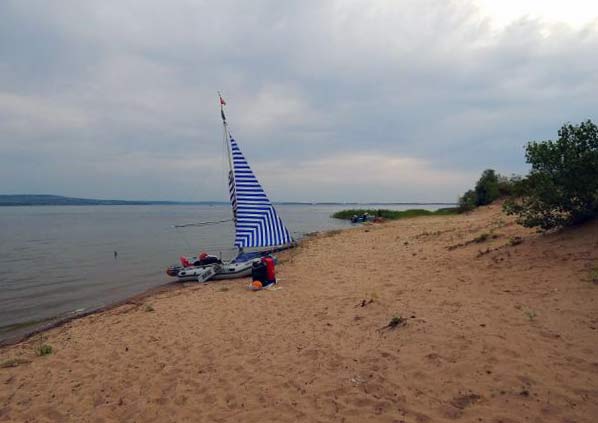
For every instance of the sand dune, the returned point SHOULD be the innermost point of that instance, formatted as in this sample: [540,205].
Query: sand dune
[497,330]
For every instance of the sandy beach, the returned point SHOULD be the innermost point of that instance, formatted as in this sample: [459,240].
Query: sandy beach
[498,324]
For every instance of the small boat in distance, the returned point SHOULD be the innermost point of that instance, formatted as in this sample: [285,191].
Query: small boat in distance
[258,228]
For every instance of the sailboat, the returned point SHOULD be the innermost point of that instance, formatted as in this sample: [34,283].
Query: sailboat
[259,230]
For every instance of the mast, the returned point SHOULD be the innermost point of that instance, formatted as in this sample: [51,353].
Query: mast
[231,170]
[226,135]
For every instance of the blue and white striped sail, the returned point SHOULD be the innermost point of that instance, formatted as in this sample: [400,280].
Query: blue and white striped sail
[256,222]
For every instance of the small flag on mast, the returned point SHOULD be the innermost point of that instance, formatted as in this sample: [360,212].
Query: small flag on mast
[222,103]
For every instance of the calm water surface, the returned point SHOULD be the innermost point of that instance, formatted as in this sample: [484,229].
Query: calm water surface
[59,260]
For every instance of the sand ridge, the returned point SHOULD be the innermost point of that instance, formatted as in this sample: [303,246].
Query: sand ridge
[497,330]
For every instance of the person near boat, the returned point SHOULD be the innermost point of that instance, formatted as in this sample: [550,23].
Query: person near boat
[204,259]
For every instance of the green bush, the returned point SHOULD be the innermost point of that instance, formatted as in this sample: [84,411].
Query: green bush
[468,201]
[507,186]
[486,189]
[562,186]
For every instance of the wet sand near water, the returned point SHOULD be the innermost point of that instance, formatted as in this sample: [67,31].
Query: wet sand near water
[495,323]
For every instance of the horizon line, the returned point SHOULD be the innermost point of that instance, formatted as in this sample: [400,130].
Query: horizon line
[173,202]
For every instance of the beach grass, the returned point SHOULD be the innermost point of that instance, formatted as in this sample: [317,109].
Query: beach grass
[394,214]
[43,349]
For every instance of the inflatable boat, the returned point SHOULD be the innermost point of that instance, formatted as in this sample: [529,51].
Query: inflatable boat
[362,218]
[192,269]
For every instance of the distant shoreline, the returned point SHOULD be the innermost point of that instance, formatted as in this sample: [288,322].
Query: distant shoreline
[18,200]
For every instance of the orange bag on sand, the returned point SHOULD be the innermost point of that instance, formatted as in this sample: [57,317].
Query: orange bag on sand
[256,285]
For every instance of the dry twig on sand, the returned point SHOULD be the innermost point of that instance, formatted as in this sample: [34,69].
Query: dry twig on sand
[396,322]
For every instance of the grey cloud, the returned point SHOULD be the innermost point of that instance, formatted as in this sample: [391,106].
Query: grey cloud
[118,99]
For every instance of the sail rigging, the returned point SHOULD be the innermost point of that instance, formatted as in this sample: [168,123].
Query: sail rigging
[257,223]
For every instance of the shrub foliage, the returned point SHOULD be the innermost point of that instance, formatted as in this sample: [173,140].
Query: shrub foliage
[489,187]
[486,189]
[562,186]
[468,201]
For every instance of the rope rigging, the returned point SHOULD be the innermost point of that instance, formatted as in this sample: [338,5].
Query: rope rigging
[214,222]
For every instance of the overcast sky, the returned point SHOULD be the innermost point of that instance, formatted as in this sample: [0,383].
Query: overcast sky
[329,100]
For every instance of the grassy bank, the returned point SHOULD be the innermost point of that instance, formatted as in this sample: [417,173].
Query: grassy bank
[394,214]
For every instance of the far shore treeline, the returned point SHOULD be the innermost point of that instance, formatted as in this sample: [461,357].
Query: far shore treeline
[561,188]
[59,200]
